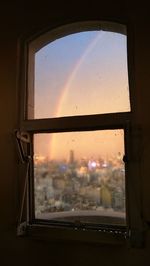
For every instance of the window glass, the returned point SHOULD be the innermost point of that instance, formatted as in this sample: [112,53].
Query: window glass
[80,74]
[80,176]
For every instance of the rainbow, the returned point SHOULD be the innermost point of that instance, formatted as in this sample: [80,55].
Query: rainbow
[69,81]
[73,73]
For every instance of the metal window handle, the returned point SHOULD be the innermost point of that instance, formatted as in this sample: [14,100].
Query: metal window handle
[22,137]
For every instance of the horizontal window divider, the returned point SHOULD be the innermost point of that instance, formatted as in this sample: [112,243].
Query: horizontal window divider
[77,123]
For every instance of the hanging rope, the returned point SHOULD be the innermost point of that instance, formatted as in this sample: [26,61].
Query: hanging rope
[24,193]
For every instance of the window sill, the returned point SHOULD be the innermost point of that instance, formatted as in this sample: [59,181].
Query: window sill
[77,234]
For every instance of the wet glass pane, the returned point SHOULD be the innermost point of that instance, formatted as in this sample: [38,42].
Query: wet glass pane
[80,176]
[80,74]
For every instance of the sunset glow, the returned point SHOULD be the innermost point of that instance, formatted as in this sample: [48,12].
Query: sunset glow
[89,144]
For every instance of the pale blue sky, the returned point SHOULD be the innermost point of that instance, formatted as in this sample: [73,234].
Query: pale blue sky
[99,61]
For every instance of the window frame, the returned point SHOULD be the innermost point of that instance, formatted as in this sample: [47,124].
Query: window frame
[124,120]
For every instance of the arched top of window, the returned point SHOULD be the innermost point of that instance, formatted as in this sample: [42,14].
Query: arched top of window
[79,69]
[42,40]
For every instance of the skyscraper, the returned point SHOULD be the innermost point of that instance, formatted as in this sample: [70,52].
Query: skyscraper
[71,157]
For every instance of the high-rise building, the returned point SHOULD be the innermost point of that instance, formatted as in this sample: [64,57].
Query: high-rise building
[71,157]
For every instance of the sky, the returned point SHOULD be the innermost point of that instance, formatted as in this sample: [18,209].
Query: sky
[80,74]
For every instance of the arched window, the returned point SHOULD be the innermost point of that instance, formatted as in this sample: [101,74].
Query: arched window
[77,117]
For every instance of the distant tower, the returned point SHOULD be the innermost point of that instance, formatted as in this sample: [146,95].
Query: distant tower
[71,157]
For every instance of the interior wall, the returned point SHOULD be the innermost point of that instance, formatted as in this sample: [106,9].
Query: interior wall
[19,20]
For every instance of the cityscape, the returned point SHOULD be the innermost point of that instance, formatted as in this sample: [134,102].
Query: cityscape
[79,186]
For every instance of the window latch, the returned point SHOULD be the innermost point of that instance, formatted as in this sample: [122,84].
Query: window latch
[22,138]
